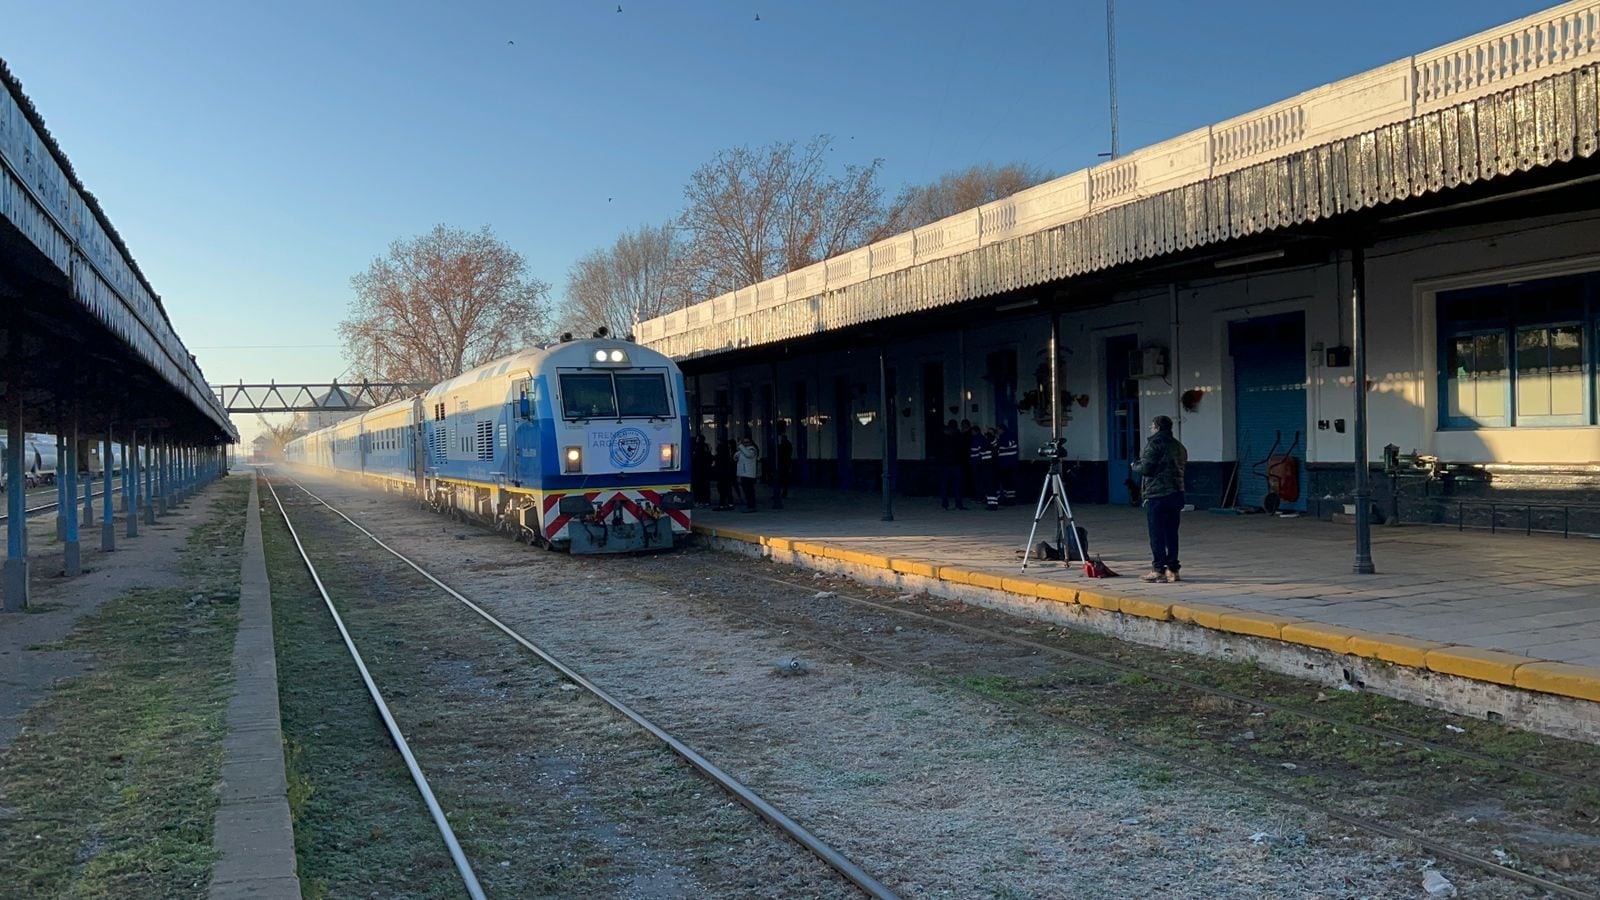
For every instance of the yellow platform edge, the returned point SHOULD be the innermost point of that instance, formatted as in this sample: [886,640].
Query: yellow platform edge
[1475,663]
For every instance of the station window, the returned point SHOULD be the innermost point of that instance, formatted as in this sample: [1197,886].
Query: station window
[1520,353]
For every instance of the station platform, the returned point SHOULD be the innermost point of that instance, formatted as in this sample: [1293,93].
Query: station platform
[1447,612]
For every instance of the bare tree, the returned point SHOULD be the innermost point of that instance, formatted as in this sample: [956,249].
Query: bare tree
[280,435]
[440,303]
[756,213]
[959,191]
[640,277]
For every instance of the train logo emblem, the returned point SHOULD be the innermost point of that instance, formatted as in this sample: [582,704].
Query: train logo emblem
[629,447]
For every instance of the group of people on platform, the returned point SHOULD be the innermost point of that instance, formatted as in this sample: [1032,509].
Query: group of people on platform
[973,462]
[735,467]
[978,462]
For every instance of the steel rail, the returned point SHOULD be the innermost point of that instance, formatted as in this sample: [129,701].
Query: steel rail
[1358,822]
[462,865]
[1221,693]
[840,863]
[46,507]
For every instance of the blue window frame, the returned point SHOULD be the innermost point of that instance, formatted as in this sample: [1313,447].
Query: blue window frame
[1519,353]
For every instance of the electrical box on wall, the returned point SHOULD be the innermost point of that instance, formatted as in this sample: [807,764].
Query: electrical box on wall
[1338,357]
[1150,362]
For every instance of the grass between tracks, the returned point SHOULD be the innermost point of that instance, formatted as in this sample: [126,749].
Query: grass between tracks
[359,824]
[111,788]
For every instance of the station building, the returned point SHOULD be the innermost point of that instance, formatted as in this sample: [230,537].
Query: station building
[1450,201]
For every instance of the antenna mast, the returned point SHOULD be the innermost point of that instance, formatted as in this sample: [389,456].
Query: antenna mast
[1111,71]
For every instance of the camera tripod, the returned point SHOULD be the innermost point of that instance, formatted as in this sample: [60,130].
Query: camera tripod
[1054,496]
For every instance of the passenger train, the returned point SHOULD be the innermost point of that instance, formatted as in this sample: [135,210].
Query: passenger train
[580,446]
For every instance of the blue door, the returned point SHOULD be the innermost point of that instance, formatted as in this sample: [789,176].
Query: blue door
[1123,425]
[1269,382]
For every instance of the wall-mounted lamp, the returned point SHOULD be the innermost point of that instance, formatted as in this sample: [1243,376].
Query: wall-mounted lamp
[866,416]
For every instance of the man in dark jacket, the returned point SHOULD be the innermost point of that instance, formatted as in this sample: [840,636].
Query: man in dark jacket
[952,460]
[1162,465]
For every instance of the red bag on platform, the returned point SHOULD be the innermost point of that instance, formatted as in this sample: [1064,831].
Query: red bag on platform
[1094,568]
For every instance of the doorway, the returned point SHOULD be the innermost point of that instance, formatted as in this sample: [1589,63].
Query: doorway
[1269,384]
[933,414]
[1122,418]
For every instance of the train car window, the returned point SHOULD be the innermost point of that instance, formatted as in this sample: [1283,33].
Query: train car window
[643,395]
[588,397]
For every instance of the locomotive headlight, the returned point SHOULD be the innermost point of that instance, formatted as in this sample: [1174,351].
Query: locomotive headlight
[618,356]
[572,460]
[599,356]
[669,456]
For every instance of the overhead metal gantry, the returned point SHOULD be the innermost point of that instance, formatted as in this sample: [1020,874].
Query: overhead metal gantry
[273,397]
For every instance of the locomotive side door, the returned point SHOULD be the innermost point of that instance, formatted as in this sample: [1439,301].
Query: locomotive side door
[524,433]
[418,444]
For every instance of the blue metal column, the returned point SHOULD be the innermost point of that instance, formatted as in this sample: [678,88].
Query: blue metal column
[108,521]
[150,480]
[124,489]
[16,570]
[159,476]
[130,482]
[62,497]
[67,513]
[88,490]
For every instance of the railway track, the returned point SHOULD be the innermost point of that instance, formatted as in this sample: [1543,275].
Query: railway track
[748,798]
[46,507]
[804,628]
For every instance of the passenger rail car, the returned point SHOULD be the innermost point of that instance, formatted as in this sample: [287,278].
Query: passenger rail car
[579,446]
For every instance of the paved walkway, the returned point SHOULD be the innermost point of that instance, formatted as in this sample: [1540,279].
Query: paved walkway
[1536,597]
[253,836]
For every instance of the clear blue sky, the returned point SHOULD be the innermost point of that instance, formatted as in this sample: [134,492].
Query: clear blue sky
[256,155]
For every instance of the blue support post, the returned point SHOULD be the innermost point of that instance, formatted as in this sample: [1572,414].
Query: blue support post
[150,481]
[130,481]
[16,570]
[67,474]
[62,498]
[108,520]
[126,490]
[161,480]
[88,493]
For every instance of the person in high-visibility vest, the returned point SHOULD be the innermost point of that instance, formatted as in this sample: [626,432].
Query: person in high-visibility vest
[991,471]
[980,455]
[1006,455]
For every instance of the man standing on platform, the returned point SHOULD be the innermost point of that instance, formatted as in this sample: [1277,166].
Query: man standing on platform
[952,464]
[991,471]
[1162,465]
[1006,455]
[783,471]
[747,462]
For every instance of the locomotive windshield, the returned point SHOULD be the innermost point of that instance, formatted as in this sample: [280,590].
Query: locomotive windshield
[625,395]
[643,395]
[588,397]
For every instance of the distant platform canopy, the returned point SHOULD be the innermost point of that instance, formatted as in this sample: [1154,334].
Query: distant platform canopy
[86,338]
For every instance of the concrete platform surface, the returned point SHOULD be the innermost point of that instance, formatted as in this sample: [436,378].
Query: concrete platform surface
[1471,604]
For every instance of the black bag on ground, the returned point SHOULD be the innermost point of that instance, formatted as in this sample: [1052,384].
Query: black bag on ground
[1047,550]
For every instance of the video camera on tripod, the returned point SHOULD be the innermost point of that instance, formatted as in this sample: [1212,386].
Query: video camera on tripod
[1055,448]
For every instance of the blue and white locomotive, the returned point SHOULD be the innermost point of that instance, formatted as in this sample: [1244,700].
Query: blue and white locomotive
[581,445]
